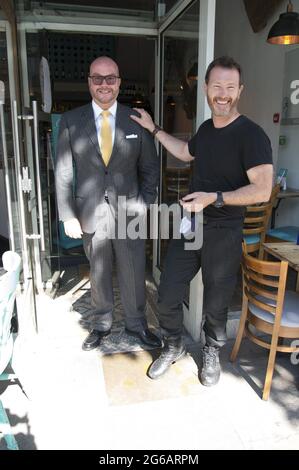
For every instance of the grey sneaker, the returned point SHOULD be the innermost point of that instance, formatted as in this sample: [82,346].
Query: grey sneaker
[210,372]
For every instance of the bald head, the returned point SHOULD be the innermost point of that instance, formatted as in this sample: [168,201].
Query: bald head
[103,93]
[106,62]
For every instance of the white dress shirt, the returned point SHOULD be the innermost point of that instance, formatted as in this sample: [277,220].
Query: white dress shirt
[97,110]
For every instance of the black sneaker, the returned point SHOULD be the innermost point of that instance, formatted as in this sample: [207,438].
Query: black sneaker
[210,372]
[173,350]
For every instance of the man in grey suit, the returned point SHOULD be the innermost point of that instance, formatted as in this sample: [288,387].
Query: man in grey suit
[107,155]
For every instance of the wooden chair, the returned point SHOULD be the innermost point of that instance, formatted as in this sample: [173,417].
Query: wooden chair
[256,223]
[269,308]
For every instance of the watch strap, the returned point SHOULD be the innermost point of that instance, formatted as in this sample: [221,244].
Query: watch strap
[156,129]
[219,201]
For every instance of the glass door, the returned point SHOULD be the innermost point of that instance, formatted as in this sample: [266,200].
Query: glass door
[38,123]
[178,104]
[9,216]
[15,222]
[186,47]
[28,170]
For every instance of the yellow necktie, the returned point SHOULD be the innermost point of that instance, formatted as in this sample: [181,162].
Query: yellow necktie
[106,137]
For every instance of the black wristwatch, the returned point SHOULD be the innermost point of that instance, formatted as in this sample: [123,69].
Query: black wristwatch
[219,201]
[156,129]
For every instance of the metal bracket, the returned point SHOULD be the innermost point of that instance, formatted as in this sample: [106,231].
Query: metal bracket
[26,181]
[33,236]
[25,117]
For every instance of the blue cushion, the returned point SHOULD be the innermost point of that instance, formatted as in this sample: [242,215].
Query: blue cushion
[251,239]
[66,242]
[290,313]
[289,233]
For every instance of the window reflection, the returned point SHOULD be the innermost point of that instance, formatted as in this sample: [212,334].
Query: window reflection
[179,103]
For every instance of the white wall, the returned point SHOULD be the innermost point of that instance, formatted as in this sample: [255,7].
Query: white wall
[290,109]
[288,155]
[262,64]
[263,67]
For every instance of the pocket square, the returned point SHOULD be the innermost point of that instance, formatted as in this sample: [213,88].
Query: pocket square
[131,136]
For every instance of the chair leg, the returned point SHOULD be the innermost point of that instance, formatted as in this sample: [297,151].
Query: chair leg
[240,331]
[270,368]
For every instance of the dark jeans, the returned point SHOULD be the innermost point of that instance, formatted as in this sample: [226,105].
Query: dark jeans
[219,259]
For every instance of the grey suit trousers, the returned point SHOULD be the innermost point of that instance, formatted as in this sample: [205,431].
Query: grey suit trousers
[130,266]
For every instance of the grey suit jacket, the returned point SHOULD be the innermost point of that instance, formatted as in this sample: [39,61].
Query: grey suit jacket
[133,169]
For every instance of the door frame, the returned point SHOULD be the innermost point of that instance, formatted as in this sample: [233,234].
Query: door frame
[206,33]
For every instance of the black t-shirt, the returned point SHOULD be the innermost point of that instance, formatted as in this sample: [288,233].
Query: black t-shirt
[222,157]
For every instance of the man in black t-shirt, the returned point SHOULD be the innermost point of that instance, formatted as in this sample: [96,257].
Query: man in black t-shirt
[232,169]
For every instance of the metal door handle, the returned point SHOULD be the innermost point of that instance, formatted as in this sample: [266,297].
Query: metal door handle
[38,181]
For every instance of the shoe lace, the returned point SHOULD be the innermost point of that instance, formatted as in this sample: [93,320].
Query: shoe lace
[170,349]
[210,357]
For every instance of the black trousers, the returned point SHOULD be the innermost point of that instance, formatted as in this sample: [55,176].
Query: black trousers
[219,259]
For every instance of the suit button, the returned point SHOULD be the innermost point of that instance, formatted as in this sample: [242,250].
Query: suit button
[106,172]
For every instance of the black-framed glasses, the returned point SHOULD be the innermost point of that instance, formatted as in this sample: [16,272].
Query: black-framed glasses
[100,79]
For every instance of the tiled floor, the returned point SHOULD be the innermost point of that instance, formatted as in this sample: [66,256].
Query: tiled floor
[126,381]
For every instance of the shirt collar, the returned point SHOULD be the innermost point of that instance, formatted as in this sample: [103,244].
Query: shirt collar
[97,109]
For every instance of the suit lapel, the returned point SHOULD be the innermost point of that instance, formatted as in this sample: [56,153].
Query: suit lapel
[88,126]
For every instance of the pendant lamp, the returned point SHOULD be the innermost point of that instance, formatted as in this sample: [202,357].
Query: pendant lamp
[286,30]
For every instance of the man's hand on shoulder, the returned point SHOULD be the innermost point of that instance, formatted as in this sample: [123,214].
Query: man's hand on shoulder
[144,120]
[72,228]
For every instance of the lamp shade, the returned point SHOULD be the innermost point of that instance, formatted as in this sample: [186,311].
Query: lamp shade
[286,30]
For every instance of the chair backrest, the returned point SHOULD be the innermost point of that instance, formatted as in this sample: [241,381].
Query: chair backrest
[8,286]
[256,223]
[274,194]
[264,283]
[255,226]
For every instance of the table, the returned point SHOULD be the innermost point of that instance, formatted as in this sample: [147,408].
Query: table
[287,193]
[286,251]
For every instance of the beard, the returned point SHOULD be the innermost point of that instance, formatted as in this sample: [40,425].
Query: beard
[223,111]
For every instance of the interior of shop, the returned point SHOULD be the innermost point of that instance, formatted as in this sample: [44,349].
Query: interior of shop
[69,56]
